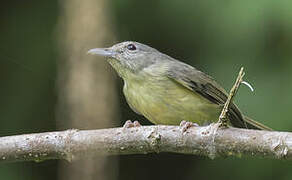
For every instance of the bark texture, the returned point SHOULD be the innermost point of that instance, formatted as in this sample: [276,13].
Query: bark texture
[211,141]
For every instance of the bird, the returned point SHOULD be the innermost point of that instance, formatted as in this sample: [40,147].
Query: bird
[168,91]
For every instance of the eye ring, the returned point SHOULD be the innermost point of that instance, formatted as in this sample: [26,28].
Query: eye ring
[131,47]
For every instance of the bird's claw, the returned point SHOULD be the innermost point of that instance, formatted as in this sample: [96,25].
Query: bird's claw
[185,125]
[130,124]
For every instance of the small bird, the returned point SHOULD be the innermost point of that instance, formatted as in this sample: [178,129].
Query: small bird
[168,91]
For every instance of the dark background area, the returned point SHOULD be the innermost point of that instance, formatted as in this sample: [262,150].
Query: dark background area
[217,37]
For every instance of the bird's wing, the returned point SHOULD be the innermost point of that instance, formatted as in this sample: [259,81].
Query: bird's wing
[201,83]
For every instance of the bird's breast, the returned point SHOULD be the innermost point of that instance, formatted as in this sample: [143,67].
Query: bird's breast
[163,101]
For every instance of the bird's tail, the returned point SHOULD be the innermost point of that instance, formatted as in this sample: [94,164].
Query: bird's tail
[252,124]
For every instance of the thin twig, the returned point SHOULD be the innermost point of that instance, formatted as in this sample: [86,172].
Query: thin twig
[223,116]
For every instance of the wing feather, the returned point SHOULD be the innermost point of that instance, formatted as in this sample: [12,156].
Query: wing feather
[201,83]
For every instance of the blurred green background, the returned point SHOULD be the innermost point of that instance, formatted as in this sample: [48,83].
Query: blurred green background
[217,37]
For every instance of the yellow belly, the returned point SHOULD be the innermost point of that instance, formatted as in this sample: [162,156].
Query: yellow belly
[166,102]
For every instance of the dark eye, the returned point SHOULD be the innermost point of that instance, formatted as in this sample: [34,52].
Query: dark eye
[131,47]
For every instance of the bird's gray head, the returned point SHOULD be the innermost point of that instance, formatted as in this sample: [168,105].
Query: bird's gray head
[129,56]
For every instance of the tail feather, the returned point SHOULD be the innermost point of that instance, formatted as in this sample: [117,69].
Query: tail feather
[252,124]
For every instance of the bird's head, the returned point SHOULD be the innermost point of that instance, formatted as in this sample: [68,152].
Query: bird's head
[128,56]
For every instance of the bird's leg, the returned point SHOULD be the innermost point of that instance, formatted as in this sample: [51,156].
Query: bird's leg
[185,125]
[129,124]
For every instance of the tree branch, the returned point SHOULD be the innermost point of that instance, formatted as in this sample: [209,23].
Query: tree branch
[75,144]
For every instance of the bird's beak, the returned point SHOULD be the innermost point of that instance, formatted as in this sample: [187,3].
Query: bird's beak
[106,52]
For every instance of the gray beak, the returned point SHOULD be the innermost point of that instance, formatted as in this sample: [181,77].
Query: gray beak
[106,52]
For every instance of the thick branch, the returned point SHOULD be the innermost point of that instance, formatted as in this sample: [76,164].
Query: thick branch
[74,144]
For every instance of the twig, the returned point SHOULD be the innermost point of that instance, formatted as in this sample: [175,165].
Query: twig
[73,144]
[223,116]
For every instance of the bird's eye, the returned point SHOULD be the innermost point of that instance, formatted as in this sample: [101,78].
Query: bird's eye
[131,47]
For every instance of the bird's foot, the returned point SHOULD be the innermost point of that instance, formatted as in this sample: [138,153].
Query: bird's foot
[129,124]
[185,125]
